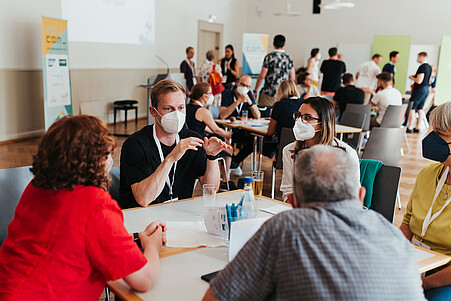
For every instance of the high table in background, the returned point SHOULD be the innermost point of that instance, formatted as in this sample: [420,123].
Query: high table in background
[181,268]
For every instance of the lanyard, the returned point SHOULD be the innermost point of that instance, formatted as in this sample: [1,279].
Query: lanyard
[199,103]
[238,107]
[157,142]
[429,217]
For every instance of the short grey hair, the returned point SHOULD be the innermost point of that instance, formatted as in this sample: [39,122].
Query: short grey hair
[210,55]
[441,118]
[325,173]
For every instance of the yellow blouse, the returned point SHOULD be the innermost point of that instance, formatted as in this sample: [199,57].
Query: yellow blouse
[438,235]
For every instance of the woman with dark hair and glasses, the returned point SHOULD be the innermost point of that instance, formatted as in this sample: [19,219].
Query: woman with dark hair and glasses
[229,67]
[67,238]
[314,124]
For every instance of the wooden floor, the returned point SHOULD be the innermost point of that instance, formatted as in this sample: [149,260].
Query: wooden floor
[20,154]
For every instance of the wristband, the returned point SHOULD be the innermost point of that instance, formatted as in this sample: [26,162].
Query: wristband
[210,157]
[137,240]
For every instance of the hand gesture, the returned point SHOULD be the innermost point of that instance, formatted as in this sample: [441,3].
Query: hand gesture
[213,146]
[228,65]
[154,236]
[184,145]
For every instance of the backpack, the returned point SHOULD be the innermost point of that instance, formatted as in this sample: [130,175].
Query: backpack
[215,82]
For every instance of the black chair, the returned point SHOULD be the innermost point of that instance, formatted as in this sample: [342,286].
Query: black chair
[385,191]
[286,137]
[360,109]
[265,111]
[125,105]
[394,116]
[356,120]
[115,183]
[385,145]
[13,182]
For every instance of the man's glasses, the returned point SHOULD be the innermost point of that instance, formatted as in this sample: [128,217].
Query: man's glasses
[244,85]
[305,118]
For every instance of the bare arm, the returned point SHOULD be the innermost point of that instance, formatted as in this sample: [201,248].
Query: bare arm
[310,65]
[292,74]
[147,190]
[357,75]
[152,239]
[225,112]
[212,147]
[405,229]
[205,116]
[234,70]
[255,111]
[439,279]
[272,126]
[417,79]
[260,78]
[209,296]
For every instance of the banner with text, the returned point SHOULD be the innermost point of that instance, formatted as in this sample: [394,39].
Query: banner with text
[55,70]
[255,48]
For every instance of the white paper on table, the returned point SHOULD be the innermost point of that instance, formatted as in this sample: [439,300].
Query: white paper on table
[241,232]
[423,255]
[276,209]
[216,222]
[190,235]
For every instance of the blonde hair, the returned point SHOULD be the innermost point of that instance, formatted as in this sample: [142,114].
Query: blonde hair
[441,118]
[286,89]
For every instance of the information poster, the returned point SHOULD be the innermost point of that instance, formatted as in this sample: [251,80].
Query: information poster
[55,68]
[255,48]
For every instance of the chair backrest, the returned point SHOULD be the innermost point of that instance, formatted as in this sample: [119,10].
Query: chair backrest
[115,182]
[13,182]
[394,116]
[385,145]
[385,191]
[356,120]
[265,111]
[360,109]
[286,137]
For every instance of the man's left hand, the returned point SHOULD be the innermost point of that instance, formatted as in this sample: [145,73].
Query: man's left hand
[214,146]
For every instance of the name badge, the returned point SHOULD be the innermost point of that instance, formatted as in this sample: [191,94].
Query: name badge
[418,243]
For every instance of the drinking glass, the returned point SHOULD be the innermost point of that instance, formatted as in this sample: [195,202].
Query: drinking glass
[257,184]
[244,116]
[209,195]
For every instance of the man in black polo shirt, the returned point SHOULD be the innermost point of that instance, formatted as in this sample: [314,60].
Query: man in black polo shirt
[234,102]
[390,66]
[348,94]
[332,70]
[420,91]
[162,161]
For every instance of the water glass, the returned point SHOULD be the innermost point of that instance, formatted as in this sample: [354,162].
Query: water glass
[209,195]
[244,115]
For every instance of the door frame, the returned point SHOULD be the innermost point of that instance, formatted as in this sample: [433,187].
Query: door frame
[213,27]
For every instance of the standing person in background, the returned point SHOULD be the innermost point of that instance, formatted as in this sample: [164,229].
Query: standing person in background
[187,68]
[307,87]
[206,69]
[277,66]
[332,70]
[313,65]
[367,74]
[390,66]
[229,67]
[420,92]
[348,94]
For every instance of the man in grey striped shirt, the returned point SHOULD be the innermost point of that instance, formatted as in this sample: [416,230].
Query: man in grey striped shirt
[329,248]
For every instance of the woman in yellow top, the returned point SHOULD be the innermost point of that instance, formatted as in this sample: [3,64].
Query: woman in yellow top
[427,221]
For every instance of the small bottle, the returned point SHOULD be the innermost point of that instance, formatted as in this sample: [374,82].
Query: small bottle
[247,203]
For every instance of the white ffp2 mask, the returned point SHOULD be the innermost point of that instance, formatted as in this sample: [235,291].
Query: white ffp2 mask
[172,122]
[303,131]
[242,90]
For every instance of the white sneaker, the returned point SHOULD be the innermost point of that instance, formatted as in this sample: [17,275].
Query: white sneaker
[237,171]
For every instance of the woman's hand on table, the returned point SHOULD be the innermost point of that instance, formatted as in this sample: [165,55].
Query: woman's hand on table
[154,236]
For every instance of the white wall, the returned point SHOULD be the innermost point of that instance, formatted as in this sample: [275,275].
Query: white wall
[426,21]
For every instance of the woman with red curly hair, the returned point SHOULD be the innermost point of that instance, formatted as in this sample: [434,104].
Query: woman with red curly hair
[67,238]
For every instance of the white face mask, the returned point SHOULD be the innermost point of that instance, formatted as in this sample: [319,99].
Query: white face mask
[242,90]
[303,131]
[173,122]
[318,57]
[210,100]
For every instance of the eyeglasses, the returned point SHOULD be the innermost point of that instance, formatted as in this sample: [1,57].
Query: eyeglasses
[305,118]
[244,85]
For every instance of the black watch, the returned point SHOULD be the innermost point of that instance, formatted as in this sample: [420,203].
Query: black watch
[137,240]
[210,157]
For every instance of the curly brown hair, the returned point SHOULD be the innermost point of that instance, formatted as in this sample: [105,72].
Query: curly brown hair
[73,152]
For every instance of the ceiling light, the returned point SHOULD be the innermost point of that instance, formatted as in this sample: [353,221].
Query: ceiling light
[336,4]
